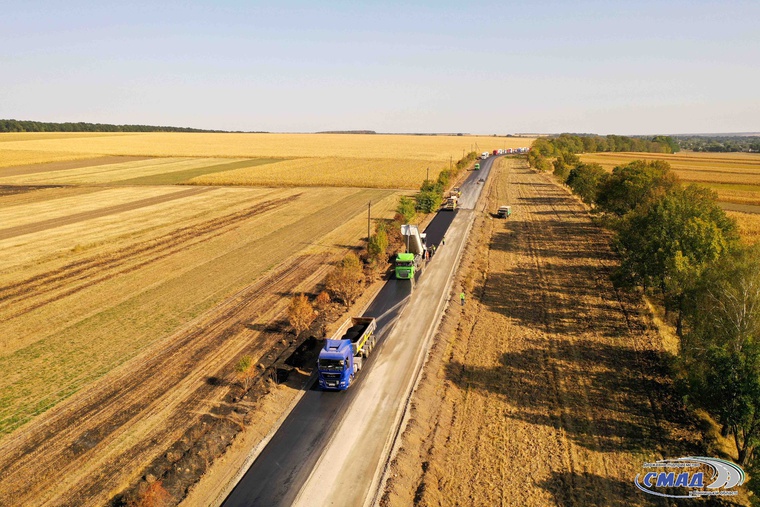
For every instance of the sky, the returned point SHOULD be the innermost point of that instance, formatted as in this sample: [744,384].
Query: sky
[485,67]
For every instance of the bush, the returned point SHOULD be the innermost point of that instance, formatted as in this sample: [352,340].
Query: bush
[634,184]
[378,243]
[244,371]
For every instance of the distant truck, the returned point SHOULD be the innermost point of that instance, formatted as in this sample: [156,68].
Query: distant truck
[341,359]
[495,152]
[484,155]
[455,192]
[504,211]
[477,166]
[450,204]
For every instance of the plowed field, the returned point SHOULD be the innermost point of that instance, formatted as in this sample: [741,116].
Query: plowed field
[548,387]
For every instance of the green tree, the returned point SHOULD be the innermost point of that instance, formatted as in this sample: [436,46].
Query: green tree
[634,184]
[406,208]
[564,163]
[428,201]
[585,181]
[720,354]
[378,243]
[667,243]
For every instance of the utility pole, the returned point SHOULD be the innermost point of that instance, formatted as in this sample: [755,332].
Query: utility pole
[427,178]
[369,222]
[451,159]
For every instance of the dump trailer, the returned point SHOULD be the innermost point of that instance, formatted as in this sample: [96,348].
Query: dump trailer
[341,357]
[455,192]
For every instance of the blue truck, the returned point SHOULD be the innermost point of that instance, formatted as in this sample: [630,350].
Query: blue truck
[341,359]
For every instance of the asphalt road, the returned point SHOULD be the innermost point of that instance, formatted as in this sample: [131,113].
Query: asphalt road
[329,449]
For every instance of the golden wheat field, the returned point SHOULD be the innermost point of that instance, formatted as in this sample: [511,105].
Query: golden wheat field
[374,161]
[749,225]
[734,176]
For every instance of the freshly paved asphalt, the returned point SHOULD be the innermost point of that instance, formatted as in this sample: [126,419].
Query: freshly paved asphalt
[290,459]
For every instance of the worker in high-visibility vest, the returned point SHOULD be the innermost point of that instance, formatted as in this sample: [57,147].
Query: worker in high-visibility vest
[461,298]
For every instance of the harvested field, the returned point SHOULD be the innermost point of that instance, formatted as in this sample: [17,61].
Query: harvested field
[439,148]
[749,225]
[735,176]
[132,171]
[160,299]
[330,172]
[549,387]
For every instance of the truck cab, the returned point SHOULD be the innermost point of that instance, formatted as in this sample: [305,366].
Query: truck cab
[405,266]
[477,166]
[336,365]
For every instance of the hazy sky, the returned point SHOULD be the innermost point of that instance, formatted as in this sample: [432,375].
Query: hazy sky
[634,67]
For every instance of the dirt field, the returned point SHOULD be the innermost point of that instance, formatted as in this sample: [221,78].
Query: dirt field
[735,176]
[549,387]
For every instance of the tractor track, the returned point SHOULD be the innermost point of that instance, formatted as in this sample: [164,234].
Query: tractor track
[85,273]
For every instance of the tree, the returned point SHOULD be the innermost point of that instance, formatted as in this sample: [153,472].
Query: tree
[322,301]
[245,371]
[564,163]
[428,201]
[344,282]
[720,354]
[406,208]
[666,244]
[634,184]
[585,181]
[301,314]
[378,243]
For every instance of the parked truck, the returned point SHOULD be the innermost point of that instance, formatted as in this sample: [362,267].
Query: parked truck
[484,155]
[341,358]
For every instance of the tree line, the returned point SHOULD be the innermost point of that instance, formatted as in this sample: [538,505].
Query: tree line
[679,247]
[39,126]
[720,144]
[544,149]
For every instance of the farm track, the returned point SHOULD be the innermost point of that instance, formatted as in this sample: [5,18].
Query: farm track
[561,371]
[74,277]
[144,406]
[43,225]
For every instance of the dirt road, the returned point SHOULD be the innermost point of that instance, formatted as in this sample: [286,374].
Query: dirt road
[548,387]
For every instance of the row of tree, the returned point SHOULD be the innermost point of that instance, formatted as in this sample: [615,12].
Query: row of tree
[678,245]
[544,149]
[720,143]
[42,126]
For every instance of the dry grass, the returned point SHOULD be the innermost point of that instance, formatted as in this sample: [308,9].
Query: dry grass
[735,176]
[439,148]
[333,172]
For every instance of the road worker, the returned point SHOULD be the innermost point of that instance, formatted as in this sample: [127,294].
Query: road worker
[461,297]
